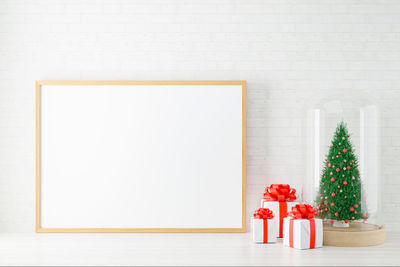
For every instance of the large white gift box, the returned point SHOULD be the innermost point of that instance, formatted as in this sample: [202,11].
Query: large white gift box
[280,199]
[264,230]
[302,233]
[279,210]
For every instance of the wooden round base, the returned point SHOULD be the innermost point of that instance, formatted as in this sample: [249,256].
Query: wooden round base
[357,235]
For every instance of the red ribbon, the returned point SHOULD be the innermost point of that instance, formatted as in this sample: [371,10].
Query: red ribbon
[265,239]
[303,211]
[263,214]
[291,233]
[279,192]
[282,214]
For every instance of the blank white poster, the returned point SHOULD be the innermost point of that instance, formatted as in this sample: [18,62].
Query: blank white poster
[141,156]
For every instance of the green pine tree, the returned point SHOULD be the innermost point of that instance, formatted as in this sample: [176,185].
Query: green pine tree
[339,195]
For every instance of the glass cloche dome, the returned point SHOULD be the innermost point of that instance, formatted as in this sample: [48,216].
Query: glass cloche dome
[343,178]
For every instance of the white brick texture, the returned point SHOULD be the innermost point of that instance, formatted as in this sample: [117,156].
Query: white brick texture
[287,50]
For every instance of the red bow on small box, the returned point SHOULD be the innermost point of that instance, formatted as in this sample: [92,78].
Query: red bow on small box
[303,211]
[279,192]
[263,214]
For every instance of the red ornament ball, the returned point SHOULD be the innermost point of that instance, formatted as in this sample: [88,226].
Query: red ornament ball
[344,150]
[345,182]
[333,194]
[346,221]
[332,204]
[348,167]
[351,209]
[331,221]
[356,206]
[353,178]
[337,169]
[332,179]
[336,214]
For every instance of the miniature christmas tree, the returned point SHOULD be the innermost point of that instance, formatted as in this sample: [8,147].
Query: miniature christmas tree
[339,195]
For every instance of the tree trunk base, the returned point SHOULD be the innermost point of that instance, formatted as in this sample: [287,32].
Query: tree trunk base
[340,224]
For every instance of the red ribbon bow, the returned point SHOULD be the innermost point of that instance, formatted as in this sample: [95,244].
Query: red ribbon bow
[263,214]
[279,192]
[303,211]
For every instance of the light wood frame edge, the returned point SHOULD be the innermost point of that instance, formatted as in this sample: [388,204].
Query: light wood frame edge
[244,116]
[38,165]
[61,82]
[140,230]
[39,229]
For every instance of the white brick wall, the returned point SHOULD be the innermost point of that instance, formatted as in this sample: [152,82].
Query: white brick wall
[287,50]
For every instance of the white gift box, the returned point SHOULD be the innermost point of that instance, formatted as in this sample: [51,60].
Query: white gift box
[258,227]
[275,207]
[302,237]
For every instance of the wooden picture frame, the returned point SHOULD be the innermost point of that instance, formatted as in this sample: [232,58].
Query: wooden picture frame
[40,229]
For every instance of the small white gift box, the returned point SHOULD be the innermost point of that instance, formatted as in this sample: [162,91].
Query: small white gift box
[302,233]
[264,230]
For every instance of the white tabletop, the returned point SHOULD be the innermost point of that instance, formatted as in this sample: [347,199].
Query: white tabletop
[180,249]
